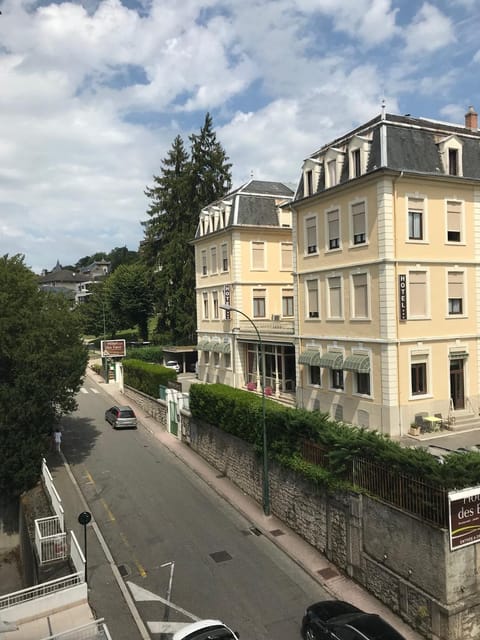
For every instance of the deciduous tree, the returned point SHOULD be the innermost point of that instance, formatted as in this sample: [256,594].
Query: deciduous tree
[42,364]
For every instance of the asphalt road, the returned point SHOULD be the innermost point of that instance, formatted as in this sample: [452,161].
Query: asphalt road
[152,511]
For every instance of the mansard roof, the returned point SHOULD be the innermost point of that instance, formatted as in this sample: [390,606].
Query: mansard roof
[254,203]
[410,144]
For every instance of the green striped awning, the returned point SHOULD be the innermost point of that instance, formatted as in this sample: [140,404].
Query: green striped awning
[221,347]
[204,345]
[331,360]
[357,363]
[310,357]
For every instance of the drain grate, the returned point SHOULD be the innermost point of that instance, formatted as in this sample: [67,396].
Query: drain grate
[277,532]
[327,573]
[255,531]
[123,569]
[220,556]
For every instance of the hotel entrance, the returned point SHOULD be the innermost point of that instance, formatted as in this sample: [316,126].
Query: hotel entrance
[457,385]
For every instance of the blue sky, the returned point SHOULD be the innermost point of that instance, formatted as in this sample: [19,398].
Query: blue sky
[95,91]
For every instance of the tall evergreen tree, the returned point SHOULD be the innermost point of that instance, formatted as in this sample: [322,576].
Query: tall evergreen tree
[185,186]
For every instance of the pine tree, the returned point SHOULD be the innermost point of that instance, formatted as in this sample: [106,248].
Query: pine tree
[185,186]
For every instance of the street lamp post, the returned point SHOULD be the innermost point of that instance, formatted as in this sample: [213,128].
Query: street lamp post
[266,487]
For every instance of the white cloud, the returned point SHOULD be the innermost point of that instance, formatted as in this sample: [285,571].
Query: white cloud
[429,31]
[281,78]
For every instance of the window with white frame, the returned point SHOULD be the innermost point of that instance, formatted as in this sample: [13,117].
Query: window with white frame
[287,256]
[416,218]
[332,172]
[360,295]
[335,308]
[451,153]
[213,259]
[205,305]
[418,374]
[259,310]
[216,358]
[456,293]
[312,299]
[359,235]
[453,164]
[311,234]
[454,221]
[356,163]
[287,303]
[417,294]
[336,379]
[333,229]
[362,383]
[227,360]
[224,257]
[315,376]
[258,255]
[215,305]
[204,262]
[308,182]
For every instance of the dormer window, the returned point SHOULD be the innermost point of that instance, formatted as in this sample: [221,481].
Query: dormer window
[308,182]
[451,153]
[453,162]
[356,163]
[358,150]
[311,172]
[332,173]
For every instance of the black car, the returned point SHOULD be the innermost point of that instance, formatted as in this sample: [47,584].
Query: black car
[337,620]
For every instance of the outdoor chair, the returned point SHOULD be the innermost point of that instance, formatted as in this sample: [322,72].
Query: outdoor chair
[443,423]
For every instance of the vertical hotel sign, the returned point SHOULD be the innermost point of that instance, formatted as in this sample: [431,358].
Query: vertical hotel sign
[464,517]
[226,295]
[402,298]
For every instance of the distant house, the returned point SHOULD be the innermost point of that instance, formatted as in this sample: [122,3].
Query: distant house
[75,285]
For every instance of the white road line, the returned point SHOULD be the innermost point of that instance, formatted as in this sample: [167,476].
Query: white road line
[83,390]
[94,390]
[166,627]
[143,595]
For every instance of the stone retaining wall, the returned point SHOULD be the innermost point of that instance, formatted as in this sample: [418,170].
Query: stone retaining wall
[403,561]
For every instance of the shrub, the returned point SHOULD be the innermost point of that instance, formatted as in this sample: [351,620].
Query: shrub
[147,354]
[146,377]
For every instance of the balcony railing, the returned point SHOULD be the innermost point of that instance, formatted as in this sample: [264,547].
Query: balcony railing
[50,540]
[274,325]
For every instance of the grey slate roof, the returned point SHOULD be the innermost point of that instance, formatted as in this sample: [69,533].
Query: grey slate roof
[256,210]
[62,275]
[412,145]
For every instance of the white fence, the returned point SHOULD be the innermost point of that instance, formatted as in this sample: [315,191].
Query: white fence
[52,492]
[96,630]
[76,554]
[50,540]
[40,591]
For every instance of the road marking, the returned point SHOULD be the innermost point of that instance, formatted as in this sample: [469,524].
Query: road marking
[111,517]
[83,390]
[94,390]
[143,595]
[89,477]
[139,566]
[166,627]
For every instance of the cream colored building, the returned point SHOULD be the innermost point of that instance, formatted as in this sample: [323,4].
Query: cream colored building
[244,258]
[386,224]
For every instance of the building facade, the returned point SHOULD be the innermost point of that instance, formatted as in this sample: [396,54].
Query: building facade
[244,258]
[386,227]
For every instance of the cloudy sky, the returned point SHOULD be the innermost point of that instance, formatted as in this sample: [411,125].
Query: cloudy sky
[93,92]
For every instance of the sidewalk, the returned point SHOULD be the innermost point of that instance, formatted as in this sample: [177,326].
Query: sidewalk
[311,560]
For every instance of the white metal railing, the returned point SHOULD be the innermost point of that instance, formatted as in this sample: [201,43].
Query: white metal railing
[96,630]
[40,590]
[76,555]
[52,492]
[50,540]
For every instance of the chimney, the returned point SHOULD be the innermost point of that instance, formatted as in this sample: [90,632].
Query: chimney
[471,119]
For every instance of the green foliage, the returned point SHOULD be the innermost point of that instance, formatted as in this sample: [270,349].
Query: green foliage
[146,377]
[240,413]
[42,363]
[129,297]
[185,185]
[147,354]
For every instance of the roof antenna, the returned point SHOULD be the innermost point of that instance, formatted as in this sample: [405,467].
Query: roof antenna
[383,108]
[251,174]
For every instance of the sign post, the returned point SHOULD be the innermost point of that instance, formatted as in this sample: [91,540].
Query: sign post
[84,518]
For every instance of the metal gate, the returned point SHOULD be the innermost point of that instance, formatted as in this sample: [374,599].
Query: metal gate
[172,409]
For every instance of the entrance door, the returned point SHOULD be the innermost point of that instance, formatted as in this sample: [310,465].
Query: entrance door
[173,417]
[457,389]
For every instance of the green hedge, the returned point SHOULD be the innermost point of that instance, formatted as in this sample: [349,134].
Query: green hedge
[240,413]
[146,377]
[146,354]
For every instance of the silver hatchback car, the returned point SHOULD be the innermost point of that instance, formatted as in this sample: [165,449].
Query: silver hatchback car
[121,417]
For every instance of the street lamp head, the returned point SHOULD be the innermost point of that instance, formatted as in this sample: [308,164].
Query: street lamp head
[226,307]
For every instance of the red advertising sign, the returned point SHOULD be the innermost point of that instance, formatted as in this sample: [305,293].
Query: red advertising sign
[464,517]
[113,348]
